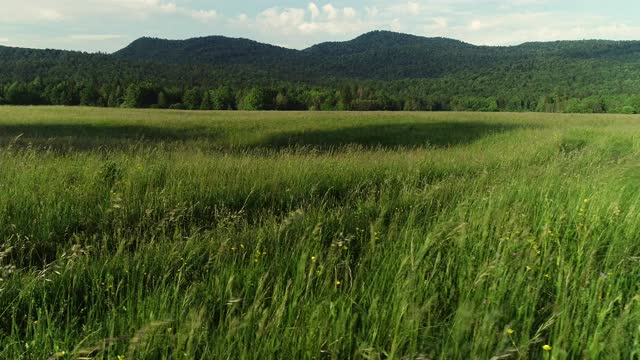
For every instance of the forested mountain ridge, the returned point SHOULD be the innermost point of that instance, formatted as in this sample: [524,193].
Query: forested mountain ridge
[377,55]
[379,70]
[204,50]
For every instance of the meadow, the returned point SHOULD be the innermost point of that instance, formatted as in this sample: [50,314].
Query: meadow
[149,234]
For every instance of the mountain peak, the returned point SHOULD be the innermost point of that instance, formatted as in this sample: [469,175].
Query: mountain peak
[383,39]
[208,49]
[379,55]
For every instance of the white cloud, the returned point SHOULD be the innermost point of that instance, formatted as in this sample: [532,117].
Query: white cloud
[148,7]
[281,19]
[204,16]
[476,25]
[349,12]
[436,27]
[49,14]
[312,20]
[29,11]
[137,8]
[47,11]
[517,28]
[490,22]
[414,8]
[396,25]
[240,21]
[315,11]
[169,8]
[409,9]
[93,37]
[330,12]
[372,11]
[300,27]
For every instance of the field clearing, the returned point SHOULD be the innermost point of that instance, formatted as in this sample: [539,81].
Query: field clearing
[143,234]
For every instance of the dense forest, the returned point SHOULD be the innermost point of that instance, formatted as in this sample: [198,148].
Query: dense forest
[376,71]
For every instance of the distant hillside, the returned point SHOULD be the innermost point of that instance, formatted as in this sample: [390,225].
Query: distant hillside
[400,68]
[204,50]
[378,55]
[383,55]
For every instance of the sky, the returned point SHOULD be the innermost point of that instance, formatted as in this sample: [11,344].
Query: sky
[108,25]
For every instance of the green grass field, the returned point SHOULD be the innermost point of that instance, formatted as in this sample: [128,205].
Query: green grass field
[133,234]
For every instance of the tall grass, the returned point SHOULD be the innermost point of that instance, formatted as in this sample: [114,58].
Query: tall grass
[150,234]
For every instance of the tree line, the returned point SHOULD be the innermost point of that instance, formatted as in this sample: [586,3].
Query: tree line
[347,97]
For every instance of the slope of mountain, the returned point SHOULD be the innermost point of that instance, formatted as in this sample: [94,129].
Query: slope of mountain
[384,40]
[377,55]
[203,50]
[412,66]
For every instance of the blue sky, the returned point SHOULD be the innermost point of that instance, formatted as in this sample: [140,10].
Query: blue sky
[107,25]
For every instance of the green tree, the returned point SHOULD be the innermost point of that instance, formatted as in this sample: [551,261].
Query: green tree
[22,94]
[64,93]
[192,99]
[162,100]
[206,101]
[345,98]
[140,95]
[282,102]
[223,99]
[89,95]
[254,99]
[115,97]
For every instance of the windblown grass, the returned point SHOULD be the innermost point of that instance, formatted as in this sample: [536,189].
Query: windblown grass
[178,235]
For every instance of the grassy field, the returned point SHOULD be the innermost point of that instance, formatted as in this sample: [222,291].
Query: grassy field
[133,234]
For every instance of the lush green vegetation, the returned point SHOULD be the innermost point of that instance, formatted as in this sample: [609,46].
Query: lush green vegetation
[150,234]
[376,71]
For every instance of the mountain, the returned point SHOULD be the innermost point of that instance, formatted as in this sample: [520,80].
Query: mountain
[404,69]
[391,55]
[371,41]
[384,55]
[378,55]
[203,50]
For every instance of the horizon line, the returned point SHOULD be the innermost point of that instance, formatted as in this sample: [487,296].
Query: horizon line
[320,43]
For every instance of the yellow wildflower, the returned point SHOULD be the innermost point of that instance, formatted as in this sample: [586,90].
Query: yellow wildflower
[547,347]
[338,282]
[510,331]
[313,258]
